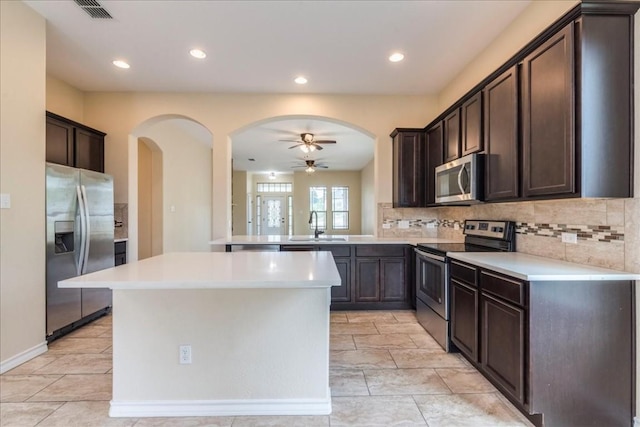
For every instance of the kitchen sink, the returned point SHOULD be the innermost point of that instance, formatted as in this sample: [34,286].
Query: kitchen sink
[319,239]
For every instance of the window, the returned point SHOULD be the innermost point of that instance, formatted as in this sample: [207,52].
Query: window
[274,187]
[340,207]
[290,214]
[318,203]
[258,214]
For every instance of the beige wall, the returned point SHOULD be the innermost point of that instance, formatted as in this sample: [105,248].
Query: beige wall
[119,113]
[368,203]
[239,201]
[22,175]
[186,174]
[531,22]
[65,100]
[303,181]
[145,186]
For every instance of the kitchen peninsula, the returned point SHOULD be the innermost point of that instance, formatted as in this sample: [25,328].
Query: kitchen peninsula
[220,333]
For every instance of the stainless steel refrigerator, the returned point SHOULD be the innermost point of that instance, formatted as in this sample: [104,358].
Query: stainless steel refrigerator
[79,241]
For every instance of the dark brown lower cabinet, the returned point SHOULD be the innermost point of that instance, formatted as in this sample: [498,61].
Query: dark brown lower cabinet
[563,352]
[381,280]
[367,280]
[120,253]
[342,293]
[372,276]
[464,319]
[393,273]
[502,333]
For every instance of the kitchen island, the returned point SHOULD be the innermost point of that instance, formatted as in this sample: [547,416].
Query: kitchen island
[205,334]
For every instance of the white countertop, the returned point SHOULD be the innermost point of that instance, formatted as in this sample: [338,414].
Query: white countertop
[217,270]
[348,240]
[535,268]
[122,239]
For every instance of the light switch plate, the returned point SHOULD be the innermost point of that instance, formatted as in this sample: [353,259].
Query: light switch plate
[386,226]
[569,238]
[403,224]
[5,201]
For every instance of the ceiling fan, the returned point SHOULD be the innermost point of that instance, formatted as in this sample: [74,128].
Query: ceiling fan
[311,166]
[307,143]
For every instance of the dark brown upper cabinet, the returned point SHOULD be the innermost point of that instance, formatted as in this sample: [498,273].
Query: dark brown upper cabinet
[435,157]
[501,137]
[556,118]
[548,113]
[452,136]
[471,115]
[577,110]
[73,144]
[408,168]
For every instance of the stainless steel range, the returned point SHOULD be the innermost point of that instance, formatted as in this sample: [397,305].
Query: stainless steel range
[432,271]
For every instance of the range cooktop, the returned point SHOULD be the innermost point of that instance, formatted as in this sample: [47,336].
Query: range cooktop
[480,236]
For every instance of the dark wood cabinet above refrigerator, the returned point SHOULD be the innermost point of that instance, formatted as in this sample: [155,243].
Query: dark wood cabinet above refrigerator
[73,144]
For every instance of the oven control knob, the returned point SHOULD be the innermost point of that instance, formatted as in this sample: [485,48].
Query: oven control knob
[497,229]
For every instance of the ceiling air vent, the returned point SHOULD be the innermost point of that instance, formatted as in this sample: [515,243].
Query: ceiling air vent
[94,9]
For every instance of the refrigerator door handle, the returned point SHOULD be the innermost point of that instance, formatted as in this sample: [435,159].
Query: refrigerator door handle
[86,236]
[83,231]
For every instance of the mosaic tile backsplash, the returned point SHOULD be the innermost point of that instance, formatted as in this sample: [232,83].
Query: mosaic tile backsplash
[608,230]
[594,233]
[121,217]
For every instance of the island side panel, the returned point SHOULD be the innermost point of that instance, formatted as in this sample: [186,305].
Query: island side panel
[582,361]
[248,346]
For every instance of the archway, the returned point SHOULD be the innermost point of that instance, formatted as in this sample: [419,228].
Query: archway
[178,210]
[263,152]
[150,193]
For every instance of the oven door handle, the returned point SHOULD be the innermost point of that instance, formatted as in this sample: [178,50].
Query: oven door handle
[431,256]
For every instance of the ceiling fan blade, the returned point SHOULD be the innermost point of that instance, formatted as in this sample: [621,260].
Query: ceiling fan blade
[318,147]
[291,140]
[322,166]
[324,141]
[293,146]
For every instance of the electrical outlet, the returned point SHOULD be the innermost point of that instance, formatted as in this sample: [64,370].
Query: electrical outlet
[5,201]
[456,226]
[569,238]
[403,224]
[185,354]
[431,225]
[386,226]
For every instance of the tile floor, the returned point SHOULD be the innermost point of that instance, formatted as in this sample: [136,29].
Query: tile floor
[385,371]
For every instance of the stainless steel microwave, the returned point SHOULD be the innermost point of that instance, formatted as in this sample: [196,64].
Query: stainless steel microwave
[460,182]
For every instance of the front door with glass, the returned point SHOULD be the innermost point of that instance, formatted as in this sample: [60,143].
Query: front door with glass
[273,216]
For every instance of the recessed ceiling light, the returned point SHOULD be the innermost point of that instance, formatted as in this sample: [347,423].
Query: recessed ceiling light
[300,80]
[121,64]
[396,57]
[197,53]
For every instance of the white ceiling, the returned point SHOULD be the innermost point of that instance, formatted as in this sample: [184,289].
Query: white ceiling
[261,46]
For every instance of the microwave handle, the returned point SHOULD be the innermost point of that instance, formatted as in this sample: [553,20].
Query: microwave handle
[462,169]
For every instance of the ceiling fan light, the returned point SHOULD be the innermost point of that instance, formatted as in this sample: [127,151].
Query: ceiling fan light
[312,148]
[310,170]
[304,148]
[272,175]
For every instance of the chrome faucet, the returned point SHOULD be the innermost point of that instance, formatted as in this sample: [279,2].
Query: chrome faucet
[316,232]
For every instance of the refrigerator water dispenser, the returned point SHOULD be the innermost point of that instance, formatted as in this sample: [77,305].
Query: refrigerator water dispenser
[63,236]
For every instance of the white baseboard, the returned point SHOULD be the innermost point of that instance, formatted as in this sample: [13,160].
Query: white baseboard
[25,356]
[189,408]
